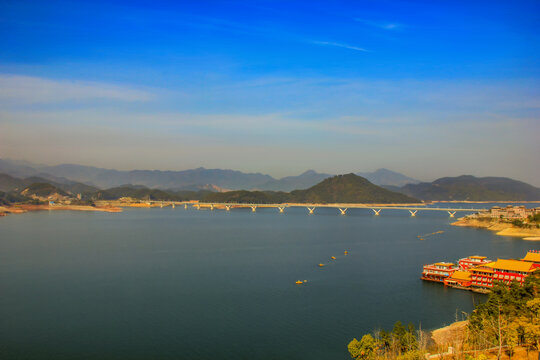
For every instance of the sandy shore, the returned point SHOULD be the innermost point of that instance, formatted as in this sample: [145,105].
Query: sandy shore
[503,229]
[20,209]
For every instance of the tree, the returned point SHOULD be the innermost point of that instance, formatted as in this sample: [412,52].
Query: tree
[363,349]
[532,326]
[397,336]
[408,342]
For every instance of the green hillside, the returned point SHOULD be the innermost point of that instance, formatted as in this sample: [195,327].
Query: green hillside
[348,188]
[471,188]
[10,183]
[243,196]
[135,192]
[42,190]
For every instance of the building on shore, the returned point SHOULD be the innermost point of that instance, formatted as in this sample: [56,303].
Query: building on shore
[438,271]
[474,260]
[479,273]
[533,256]
[459,278]
[509,212]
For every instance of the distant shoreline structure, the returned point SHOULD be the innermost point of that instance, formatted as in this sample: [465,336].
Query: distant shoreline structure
[484,201]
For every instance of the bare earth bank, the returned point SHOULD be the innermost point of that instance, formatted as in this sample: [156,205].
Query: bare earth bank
[19,209]
[501,228]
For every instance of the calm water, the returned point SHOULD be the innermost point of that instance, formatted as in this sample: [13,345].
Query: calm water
[187,284]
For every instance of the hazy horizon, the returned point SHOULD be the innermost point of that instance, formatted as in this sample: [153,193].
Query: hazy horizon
[425,89]
[299,172]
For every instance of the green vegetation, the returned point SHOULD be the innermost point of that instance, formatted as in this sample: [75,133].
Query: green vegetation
[43,190]
[141,193]
[3,200]
[401,343]
[348,188]
[144,193]
[509,318]
[253,197]
[13,197]
[470,188]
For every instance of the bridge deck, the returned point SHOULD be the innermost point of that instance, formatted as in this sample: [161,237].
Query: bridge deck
[337,206]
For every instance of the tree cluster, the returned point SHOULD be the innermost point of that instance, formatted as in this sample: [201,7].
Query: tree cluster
[404,343]
[509,318]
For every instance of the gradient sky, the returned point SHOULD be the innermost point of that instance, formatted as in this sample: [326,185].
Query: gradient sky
[426,88]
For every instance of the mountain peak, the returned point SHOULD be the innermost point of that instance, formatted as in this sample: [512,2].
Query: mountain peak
[386,177]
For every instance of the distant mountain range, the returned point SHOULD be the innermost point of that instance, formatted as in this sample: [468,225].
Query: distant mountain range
[195,179]
[88,180]
[9,183]
[337,189]
[470,188]
[342,188]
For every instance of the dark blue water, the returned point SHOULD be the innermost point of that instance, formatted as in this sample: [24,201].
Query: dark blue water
[188,284]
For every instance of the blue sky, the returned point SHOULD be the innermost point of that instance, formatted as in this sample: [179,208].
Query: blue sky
[423,87]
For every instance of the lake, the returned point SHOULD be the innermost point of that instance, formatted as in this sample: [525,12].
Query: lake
[187,284]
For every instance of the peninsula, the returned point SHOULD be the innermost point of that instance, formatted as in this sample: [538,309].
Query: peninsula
[517,221]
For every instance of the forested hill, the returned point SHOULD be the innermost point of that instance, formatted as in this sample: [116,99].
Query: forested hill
[348,188]
[470,188]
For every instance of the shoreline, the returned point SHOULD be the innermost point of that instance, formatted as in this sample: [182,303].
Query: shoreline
[21,209]
[501,229]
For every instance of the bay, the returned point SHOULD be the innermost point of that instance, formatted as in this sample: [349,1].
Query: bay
[187,284]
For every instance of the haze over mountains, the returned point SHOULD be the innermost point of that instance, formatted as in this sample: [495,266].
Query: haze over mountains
[195,179]
[199,182]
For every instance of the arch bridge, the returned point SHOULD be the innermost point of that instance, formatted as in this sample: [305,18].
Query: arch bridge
[311,207]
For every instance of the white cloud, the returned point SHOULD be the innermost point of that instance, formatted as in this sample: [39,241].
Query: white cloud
[346,46]
[15,89]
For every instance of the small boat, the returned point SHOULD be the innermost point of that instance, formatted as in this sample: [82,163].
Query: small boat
[333,258]
[321,265]
[345,252]
[299,282]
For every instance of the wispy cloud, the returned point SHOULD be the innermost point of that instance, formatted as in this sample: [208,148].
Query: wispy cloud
[385,25]
[341,45]
[16,89]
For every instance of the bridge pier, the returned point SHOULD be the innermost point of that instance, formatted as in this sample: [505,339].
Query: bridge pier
[185,206]
[452,213]
[198,207]
[413,213]
[311,210]
[343,211]
[377,212]
[172,205]
[281,209]
[211,206]
[228,207]
[161,205]
[253,208]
